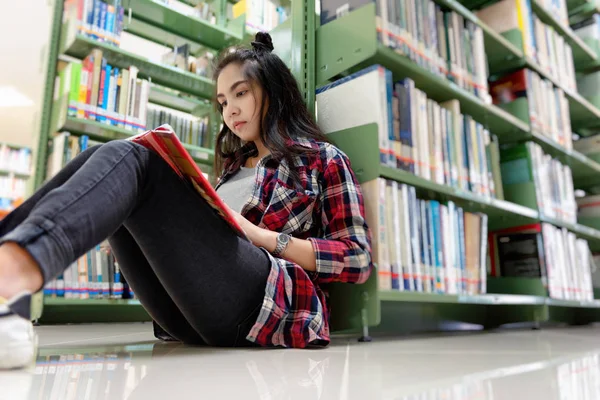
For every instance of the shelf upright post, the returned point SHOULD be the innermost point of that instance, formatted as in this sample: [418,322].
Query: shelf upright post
[303,49]
[41,151]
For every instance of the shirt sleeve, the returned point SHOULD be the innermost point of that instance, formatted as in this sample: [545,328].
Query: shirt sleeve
[343,254]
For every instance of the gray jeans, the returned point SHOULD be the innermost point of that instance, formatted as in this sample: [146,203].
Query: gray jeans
[197,279]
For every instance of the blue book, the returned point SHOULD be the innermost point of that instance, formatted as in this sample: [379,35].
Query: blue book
[96,19]
[425,247]
[106,96]
[405,89]
[436,234]
[102,21]
[110,24]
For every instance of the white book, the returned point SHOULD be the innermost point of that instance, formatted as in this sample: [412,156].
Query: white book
[355,100]
[392,232]
[405,237]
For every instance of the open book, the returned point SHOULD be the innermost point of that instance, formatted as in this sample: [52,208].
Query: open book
[165,143]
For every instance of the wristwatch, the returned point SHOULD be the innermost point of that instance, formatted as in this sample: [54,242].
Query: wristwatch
[283,239]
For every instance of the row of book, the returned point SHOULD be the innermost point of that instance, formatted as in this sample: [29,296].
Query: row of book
[525,94]
[558,9]
[103,93]
[62,148]
[15,159]
[433,141]
[190,130]
[95,275]
[201,9]
[536,180]
[97,19]
[441,41]
[180,57]
[261,15]
[554,255]
[11,188]
[423,245]
[539,42]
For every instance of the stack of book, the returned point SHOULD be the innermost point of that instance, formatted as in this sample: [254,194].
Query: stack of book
[263,15]
[97,19]
[543,251]
[536,180]
[96,275]
[100,92]
[433,141]
[423,245]
[441,41]
[536,101]
[190,130]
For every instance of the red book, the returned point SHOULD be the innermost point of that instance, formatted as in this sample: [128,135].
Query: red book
[166,144]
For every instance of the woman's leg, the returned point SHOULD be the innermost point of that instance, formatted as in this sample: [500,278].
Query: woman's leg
[157,301]
[215,278]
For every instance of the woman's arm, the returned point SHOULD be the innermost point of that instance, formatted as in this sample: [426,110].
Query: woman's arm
[298,251]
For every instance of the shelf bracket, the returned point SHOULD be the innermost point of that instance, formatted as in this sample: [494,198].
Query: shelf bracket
[303,49]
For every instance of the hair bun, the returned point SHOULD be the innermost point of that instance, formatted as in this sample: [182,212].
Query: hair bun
[263,42]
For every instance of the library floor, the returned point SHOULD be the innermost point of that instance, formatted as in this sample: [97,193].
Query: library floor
[123,361]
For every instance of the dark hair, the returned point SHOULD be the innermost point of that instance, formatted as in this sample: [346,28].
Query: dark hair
[286,116]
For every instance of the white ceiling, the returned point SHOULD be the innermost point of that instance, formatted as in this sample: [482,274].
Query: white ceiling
[24,37]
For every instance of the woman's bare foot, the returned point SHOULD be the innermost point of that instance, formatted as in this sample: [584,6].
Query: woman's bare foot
[18,271]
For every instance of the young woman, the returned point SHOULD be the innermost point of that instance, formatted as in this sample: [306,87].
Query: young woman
[293,193]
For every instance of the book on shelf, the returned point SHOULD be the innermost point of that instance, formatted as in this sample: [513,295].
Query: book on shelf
[515,20]
[188,128]
[95,275]
[439,40]
[534,179]
[536,101]
[558,9]
[100,92]
[431,140]
[543,251]
[264,15]
[424,245]
[15,159]
[97,19]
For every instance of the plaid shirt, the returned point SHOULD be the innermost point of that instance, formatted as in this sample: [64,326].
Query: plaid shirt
[328,211]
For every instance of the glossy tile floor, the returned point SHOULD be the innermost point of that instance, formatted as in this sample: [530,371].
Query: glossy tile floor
[123,361]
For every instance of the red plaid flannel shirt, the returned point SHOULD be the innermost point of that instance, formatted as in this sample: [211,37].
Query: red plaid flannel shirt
[328,211]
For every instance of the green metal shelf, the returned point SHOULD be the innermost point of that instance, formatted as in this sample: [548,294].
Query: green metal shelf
[485,299]
[184,81]
[17,174]
[102,132]
[585,232]
[61,310]
[176,101]
[191,28]
[582,53]
[581,9]
[350,43]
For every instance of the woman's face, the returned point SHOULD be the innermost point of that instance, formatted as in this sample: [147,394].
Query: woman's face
[240,101]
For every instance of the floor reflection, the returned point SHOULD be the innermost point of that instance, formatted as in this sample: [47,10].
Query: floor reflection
[346,371]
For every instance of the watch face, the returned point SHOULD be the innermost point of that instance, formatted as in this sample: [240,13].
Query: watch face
[283,238]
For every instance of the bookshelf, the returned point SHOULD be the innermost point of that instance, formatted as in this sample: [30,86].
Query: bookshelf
[175,88]
[319,54]
[349,44]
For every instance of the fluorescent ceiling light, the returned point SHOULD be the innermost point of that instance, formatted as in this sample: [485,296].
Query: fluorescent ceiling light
[11,97]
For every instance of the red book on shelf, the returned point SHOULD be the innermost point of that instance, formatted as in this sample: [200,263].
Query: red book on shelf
[165,143]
